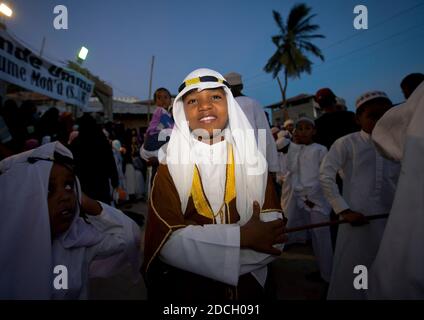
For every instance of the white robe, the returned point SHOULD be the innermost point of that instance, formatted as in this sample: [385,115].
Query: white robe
[118,247]
[398,269]
[369,182]
[303,165]
[28,256]
[212,250]
[301,183]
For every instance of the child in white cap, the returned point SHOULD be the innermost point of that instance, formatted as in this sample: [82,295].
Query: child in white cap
[308,204]
[369,182]
[288,127]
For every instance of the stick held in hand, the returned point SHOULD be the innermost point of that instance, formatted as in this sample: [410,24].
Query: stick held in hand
[330,223]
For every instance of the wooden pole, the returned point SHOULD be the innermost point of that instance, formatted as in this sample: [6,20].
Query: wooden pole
[150,89]
[43,43]
[334,222]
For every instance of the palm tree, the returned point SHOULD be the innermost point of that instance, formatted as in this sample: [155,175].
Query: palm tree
[293,43]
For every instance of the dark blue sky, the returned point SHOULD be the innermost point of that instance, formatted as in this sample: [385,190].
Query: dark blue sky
[227,35]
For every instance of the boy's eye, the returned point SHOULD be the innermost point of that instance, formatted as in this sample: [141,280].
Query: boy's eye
[191,101]
[216,97]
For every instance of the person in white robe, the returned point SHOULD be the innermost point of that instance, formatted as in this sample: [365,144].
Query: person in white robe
[43,239]
[369,183]
[398,269]
[288,128]
[216,251]
[258,120]
[309,206]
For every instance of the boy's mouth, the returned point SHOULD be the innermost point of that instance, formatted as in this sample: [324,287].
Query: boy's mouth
[207,119]
[67,213]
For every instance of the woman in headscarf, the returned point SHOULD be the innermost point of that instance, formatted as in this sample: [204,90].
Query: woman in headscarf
[214,222]
[94,161]
[52,234]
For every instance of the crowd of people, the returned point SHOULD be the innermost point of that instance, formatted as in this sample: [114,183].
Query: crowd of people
[106,155]
[226,192]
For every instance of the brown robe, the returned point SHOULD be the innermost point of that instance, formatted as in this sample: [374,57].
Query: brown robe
[167,283]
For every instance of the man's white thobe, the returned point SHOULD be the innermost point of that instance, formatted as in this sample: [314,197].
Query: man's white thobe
[398,269]
[369,183]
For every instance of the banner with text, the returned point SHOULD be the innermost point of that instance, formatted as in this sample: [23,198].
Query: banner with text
[20,66]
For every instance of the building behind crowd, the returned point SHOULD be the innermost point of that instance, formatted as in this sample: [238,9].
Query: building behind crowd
[302,105]
[128,110]
[299,106]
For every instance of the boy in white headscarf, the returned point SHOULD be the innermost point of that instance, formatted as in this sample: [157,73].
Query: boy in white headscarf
[52,234]
[217,230]
[369,183]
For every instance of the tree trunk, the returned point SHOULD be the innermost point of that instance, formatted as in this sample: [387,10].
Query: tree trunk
[283,94]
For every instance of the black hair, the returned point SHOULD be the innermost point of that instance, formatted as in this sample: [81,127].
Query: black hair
[412,81]
[160,89]
[236,90]
[327,102]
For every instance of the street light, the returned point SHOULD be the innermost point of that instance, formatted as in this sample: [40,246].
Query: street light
[82,55]
[4,9]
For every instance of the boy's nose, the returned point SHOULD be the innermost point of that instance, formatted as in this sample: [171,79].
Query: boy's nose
[66,195]
[204,105]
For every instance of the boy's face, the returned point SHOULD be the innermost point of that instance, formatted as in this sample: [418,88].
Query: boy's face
[162,99]
[290,127]
[61,199]
[304,132]
[371,113]
[206,109]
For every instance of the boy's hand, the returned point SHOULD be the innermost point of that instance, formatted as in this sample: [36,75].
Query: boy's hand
[354,218]
[261,236]
[310,204]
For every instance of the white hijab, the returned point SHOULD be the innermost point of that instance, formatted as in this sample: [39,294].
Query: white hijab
[251,169]
[26,251]
[398,270]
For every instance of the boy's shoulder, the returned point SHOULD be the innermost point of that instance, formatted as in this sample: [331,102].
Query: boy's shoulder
[349,137]
[162,177]
[318,146]
[163,185]
[163,172]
